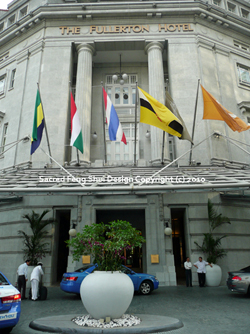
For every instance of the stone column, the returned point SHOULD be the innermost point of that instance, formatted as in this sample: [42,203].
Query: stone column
[83,95]
[156,89]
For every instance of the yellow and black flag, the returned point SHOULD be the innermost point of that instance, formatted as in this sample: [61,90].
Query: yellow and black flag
[155,113]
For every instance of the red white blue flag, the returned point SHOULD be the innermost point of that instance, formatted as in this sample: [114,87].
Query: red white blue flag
[115,129]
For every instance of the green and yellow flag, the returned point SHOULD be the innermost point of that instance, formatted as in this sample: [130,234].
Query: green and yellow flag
[38,124]
[154,113]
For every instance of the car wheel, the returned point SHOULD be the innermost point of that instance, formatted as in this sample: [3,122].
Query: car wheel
[145,288]
[248,291]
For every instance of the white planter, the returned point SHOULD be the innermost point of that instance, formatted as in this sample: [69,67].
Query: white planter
[213,275]
[106,294]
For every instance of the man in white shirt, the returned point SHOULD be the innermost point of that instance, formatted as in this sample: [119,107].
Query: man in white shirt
[35,277]
[201,271]
[22,273]
[188,272]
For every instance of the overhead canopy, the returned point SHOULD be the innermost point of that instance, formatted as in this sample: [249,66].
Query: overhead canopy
[124,179]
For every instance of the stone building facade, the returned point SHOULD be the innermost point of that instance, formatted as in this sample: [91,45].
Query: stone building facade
[68,45]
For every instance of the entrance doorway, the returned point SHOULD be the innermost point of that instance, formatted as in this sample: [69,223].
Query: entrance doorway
[135,258]
[179,246]
[60,249]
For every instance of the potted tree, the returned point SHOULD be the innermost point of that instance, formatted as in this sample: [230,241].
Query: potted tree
[107,292]
[35,248]
[211,245]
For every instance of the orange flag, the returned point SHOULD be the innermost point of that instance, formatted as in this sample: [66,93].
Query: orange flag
[214,110]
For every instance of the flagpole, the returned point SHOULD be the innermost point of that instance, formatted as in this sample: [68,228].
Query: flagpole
[77,153]
[177,159]
[232,142]
[162,152]
[45,125]
[195,111]
[65,170]
[104,129]
[136,97]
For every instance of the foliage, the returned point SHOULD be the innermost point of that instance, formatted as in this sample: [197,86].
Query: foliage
[34,246]
[106,243]
[211,245]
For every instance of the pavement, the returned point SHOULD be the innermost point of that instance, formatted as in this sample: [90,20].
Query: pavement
[209,310]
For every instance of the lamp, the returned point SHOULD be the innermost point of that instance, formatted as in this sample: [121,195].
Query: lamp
[121,76]
[72,231]
[168,230]
[147,135]
[94,135]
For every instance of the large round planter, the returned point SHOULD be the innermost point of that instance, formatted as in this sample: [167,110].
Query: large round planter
[106,294]
[213,275]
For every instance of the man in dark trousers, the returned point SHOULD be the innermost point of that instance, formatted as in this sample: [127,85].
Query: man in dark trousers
[201,271]
[22,273]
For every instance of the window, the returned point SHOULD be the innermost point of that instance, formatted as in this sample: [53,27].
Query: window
[118,151]
[1,26]
[244,13]
[244,74]
[23,12]
[11,20]
[241,46]
[216,2]
[171,146]
[12,78]
[2,83]
[231,7]
[3,142]
[123,98]
[4,56]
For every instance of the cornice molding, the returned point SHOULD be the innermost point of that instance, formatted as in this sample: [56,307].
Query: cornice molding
[213,14]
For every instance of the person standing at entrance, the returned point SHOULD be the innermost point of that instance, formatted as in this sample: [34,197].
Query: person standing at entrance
[188,272]
[35,277]
[22,273]
[201,271]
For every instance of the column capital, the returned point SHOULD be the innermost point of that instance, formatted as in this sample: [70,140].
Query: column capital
[85,47]
[154,45]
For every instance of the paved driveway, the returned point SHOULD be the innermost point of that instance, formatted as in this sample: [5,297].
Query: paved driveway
[202,310]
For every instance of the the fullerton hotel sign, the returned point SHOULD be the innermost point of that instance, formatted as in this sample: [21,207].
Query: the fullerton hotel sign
[126,29]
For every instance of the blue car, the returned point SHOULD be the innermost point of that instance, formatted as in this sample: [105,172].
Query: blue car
[10,305]
[143,283]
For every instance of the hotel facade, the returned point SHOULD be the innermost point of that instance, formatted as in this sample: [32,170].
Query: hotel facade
[154,181]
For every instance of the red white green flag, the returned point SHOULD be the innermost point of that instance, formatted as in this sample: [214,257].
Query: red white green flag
[76,131]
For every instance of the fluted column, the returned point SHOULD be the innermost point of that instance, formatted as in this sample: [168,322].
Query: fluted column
[156,89]
[84,94]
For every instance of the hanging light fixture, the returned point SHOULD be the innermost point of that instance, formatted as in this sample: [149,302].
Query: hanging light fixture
[120,76]
[72,231]
[168,230]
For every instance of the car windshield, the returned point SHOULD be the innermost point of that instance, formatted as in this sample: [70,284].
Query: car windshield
[125,270]
[80,270]
[3,281]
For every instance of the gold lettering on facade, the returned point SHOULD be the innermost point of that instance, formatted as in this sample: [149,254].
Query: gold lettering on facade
[136,29]
[127,29]
[99,30]
[123,29]
[62,28]
[174,27]
[77,30]
[171,27]
[189,27]
[73,30]
[145,28]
